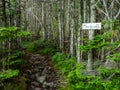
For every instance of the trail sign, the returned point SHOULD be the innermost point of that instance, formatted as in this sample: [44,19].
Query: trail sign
[91,26]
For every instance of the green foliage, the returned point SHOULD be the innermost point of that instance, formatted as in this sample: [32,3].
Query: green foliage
[108,72]
[104,40]
[31,46]
[8,74]
[13,56]
[96,43]
[99,42]
[13,62]
[113,23]
[11,33]
[16,84]
[11,86]
[16,54]
[49,51]
[80,79]
[103,78]
[114,57]
[41,47]
[59,57]
[64,62]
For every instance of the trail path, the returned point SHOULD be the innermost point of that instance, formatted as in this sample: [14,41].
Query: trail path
[40,73]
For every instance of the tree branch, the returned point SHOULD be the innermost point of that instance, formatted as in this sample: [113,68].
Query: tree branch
[104,3]
[112,50]
[111,76]
[117,14]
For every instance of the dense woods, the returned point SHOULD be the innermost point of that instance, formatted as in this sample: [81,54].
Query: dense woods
[82,59]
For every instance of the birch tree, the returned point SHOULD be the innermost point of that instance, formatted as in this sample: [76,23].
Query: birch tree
[72,24]
[111,14]
[43,27]
[60,20]
[79,34]
[67,19]
[91,35]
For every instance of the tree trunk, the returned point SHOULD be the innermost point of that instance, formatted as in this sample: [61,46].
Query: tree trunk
[79,35]
[4,17]
[91,34]
[60,27]
[43,27]
[68,20]
[72,28]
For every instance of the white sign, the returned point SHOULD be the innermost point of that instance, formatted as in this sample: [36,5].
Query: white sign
[91,26]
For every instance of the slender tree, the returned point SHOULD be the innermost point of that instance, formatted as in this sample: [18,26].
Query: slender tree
[79,34]
[72,28]
[91,34]
[4,17]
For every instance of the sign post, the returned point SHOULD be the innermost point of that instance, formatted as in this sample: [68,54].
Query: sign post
[91,26]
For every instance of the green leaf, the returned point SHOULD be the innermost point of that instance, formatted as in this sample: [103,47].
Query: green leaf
[9,74]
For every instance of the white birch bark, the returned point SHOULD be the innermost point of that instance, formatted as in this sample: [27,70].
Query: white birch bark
[48,20]
[72,29]
[68,18]
[51,19]
[72,38]
[79,36]
[85,10]
[43,28]
[60,26]
[91,34]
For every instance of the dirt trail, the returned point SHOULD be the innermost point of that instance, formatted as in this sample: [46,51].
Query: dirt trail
[40,73]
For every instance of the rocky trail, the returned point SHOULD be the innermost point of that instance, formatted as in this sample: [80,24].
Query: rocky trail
[40,73]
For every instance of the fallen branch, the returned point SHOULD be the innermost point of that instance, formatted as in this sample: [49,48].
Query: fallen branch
[111,76]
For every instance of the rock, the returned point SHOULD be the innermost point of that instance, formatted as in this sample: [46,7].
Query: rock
[35,83]
[36,62]
[41,79]
[37,88]
[44,72]
[51,84]
[40,73]
[32,77]
[32,87]
[36,69]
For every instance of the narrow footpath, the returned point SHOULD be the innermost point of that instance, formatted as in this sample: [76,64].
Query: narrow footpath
[40,73]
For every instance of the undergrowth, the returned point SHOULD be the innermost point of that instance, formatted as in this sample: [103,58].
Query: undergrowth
[64,62]
[41,47]
[11,55]
[78,78]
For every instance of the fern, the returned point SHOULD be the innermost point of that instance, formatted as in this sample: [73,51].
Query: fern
[9,74]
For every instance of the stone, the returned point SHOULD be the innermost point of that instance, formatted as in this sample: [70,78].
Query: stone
[32,87]
[44,72]
[50,84]
[37,62]
[35,83]
[41,79]
[37,88]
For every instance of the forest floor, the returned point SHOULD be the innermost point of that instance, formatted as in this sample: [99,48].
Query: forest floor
[40,73]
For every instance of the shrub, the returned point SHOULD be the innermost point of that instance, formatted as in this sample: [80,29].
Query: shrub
[64,62]
[40,46]
[8,74]
[78,79]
